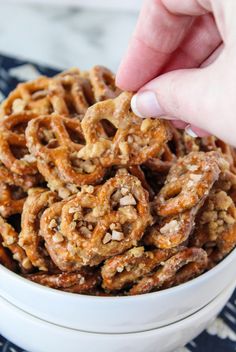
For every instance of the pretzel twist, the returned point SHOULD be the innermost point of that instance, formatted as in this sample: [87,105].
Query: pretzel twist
[216,230]
[37,201]
[76,282]
[55,141]
[5,258]
[93,227]
[103,83]
[30,96]
[126,269]
[188,181]
[12,199]
[13,152]
[169,269]
[172,231]
[71,94]
[10,240]
[173,150]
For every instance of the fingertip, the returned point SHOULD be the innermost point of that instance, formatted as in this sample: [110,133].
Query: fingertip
[145,104]
[134,106]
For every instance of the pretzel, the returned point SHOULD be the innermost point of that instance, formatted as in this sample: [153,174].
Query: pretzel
[71,94]
[169,269]
[224,245]
[135,140]
[96,226]
[103,83]
[137,171]
[10,241]
[82,281]
[172,231]
[171,151]
[210,143]
[13,152]
[125,269]
[188,272]
[30,96]
[55,141]
[6,259]
[13,179]
[216,230]
[188,181]
[12,199]
[37,201]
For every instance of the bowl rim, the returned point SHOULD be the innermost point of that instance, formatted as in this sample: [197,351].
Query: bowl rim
[151,295]
[213,304]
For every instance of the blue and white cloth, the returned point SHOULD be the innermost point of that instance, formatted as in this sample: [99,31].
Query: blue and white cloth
[220,336]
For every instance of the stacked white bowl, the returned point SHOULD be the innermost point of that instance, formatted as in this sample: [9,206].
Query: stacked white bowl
[41,319]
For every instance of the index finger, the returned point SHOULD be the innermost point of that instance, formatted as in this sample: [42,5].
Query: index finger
[158,34]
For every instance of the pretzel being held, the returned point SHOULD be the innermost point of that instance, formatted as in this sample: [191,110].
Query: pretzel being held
[134,141]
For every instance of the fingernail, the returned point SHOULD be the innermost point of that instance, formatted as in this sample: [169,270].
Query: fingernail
[190,132]
[145,104]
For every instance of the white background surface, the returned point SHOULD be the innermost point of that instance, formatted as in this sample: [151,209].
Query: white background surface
[65,36]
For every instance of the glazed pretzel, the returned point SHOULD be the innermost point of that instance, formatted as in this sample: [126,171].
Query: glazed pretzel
[125,269]
[172,231]
[55,141]
[37,201]
[224,245]
[216,230]
[137,171]
[77,282]
[13,151]
[30,96]
[188,181]
[103,83]
[71,94]
[5,258]
[135,140]
[10,241]
[169,269]
[13,179]
[172,150]
[12,199]
[211,143]
[96,226]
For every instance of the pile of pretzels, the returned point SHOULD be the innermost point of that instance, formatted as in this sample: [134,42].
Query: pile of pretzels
[95,200]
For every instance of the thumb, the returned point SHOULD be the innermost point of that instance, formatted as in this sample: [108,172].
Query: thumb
[188,95]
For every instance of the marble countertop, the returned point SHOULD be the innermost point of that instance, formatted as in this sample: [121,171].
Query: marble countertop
[63,36]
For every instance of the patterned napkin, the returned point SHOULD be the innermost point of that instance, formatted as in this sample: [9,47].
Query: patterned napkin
[220,336]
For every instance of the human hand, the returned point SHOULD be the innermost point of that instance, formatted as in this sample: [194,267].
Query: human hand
[182,61]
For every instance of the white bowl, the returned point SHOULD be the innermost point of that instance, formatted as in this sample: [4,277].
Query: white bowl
[117,314]
[37,335]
